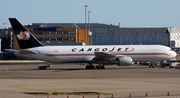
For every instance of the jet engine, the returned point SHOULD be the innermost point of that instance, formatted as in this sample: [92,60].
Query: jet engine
[122,61]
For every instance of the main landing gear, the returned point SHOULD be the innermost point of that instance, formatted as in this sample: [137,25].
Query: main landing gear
[99,66]
[90,67]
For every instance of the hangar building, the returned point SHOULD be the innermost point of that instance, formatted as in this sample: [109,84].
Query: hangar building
[127,36]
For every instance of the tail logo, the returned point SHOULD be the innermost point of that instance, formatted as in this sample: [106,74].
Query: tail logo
[23,35]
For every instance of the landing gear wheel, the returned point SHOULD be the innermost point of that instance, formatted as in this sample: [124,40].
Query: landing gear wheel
[97,67]
[100,67]
[90,66]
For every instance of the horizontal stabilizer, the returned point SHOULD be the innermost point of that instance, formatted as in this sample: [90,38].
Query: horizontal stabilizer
[24,51]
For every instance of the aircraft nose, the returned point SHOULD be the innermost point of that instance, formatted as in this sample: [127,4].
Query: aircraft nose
[173,54]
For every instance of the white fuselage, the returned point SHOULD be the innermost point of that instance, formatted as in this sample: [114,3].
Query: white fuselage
[139,53]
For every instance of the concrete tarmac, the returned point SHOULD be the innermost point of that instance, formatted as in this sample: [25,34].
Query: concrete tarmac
[73,80]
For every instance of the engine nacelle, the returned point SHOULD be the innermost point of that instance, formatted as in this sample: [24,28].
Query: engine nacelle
[122,61]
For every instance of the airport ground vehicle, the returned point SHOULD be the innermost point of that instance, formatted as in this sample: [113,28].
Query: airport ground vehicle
[174,64]
[144,63]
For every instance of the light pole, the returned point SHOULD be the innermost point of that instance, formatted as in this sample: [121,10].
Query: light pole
[89,20]
[89,25]
[86,22]
[4,25]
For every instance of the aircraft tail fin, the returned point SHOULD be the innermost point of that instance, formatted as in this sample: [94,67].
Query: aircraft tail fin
[24,37]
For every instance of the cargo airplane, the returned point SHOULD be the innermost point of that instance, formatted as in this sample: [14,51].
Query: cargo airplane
[122,55]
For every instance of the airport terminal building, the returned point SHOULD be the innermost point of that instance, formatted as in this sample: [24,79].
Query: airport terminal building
[102,34]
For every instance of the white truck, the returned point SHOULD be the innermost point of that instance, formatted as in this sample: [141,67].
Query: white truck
[174,64]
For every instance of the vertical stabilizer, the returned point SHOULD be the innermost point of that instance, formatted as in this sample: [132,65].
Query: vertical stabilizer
[24,37]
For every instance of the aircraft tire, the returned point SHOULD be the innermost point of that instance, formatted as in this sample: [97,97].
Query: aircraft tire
[97,67]
[92,67]
[88,67]
[100,67]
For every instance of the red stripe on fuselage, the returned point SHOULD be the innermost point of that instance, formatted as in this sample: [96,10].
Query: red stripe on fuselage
[133,54]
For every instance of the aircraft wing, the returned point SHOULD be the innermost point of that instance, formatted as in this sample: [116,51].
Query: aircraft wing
[24,51]
[102,55]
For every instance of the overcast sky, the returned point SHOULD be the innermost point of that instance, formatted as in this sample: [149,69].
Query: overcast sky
[129,13]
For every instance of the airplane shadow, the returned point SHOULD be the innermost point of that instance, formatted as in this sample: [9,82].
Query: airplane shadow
[77,69]
[111,68]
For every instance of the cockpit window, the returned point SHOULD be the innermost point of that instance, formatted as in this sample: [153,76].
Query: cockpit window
[171,50]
